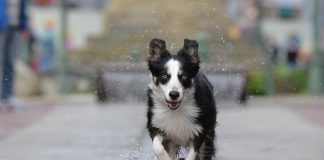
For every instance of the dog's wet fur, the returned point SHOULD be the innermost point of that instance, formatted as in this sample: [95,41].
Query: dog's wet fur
[181,105]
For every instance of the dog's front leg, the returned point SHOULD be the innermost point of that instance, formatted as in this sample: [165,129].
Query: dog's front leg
[158,148]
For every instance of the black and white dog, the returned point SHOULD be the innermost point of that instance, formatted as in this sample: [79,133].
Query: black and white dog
[181,106]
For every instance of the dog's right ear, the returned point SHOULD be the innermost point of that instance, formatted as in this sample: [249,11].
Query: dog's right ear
[157,50]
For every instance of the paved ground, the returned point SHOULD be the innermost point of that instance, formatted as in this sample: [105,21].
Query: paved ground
[12,121]
[265,129]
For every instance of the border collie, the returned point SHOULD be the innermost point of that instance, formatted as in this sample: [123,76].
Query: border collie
[181,107]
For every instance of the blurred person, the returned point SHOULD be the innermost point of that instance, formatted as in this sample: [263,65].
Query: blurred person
[47,57]
[304,56]
[27,47]
[29,44]
[17,22]
[3,26]
[69,43]
[234,32]
[272,49]
[3,17]
[293,47]
[101,88]
[31,47]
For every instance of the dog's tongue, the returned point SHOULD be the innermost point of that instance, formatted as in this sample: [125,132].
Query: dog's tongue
[173,104]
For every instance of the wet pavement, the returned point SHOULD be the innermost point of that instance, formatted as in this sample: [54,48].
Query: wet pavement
[12,120]
[264,129]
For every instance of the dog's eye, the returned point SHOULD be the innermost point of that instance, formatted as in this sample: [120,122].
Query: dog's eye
[184,77]
[164,76]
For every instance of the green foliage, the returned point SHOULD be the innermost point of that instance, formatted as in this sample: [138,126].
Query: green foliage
[290,80]
[286,80]
[256,83]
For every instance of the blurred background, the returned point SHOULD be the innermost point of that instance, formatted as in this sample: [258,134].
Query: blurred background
[73,75]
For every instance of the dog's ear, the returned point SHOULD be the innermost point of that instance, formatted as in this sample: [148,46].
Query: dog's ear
[157,49]
[190,49]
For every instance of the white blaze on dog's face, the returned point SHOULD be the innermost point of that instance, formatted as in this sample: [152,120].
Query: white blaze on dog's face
[173,74]
[172,87]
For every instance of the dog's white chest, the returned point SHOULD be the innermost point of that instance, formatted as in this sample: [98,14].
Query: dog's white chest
[179,124]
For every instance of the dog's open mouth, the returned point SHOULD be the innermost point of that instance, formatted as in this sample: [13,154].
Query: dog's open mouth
[173,105]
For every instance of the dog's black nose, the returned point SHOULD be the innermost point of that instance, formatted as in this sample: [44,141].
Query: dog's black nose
[174,95]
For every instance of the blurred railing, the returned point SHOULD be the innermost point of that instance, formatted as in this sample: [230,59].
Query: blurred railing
[128,82]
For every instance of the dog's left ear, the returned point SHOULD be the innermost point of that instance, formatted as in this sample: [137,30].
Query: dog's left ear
[190,49]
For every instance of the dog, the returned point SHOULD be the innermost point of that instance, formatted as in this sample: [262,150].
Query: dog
[181,106]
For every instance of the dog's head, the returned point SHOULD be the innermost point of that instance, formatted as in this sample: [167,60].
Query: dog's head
[173,74]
